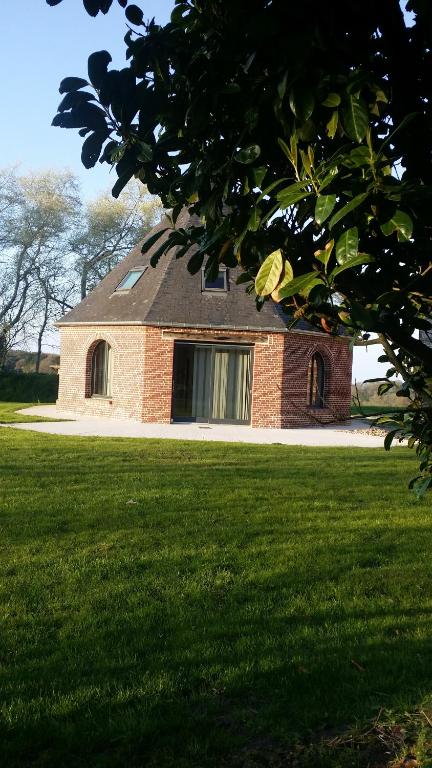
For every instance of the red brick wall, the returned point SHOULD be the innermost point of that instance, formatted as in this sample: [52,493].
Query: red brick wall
[158,366]
[280,384]
[142,373]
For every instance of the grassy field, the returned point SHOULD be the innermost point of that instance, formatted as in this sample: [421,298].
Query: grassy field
[8,414]
[211,605]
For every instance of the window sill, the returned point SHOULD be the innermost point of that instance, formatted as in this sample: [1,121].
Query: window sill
[100,397]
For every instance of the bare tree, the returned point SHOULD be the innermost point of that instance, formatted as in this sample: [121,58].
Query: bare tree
[109,229]
[54,248]
[36,214]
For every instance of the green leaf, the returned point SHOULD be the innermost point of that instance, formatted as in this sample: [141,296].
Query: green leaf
[347,245]
[254,220]
[287,202]
[72,84]
[92,147]
[390,436]
[156,255]
[354,203]
[257,176]
[288,191]
[292,194]
[121,182]
[270,187]
[384,387]
[269,273]
[421,486]
[281,88]
[288,276]
[358,156]
[401,223]
[332,124]
[245,277]
[134,15]
[147,244]
[407,119]
[324,254]
[145,153]
[363,317]
[323,208]
[328,178]
[73,99]
[355,118]
[248,154]
[195,262]
[302,284]
[332,100]
[97,67]
[231,88]
[360,259]
[285,149]
[85,115]
[302,102]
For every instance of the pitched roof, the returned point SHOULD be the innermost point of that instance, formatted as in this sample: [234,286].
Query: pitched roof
[169,295]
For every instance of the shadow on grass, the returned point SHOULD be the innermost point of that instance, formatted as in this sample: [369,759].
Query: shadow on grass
[190,683]
[163,604]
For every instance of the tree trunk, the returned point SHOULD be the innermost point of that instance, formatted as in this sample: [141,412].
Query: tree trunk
[40,338]
[84,276]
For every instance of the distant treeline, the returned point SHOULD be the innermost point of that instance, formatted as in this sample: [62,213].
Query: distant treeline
[369,395]
[25,362]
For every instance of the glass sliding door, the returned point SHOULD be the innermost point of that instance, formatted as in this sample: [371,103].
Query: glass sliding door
[201,383]
[211,383]
[231,385]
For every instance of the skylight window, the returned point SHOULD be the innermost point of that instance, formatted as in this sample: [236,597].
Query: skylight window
[131,279]
[220,283]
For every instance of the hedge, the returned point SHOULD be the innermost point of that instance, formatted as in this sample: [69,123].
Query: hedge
[28,387]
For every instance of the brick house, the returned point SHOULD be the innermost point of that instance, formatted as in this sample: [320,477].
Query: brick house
[161,345]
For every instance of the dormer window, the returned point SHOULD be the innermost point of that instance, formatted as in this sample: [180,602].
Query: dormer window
[130,279]
[220,283]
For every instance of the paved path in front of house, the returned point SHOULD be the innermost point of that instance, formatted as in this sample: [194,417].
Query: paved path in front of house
[343,435]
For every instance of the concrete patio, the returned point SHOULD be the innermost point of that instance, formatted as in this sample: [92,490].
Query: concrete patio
[346,434]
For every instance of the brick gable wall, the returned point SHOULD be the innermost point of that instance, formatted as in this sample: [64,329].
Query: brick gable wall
[127,345]
[143,365]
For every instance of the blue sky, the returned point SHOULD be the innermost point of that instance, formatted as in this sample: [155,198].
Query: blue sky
[40,46]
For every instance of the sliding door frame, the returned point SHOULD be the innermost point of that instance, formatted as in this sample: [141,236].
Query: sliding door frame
[214,346]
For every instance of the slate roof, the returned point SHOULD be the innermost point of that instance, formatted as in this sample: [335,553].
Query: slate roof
[168,295]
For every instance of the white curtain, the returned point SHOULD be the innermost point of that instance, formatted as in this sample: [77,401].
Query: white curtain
[220,385]
[101,369]
[231,385]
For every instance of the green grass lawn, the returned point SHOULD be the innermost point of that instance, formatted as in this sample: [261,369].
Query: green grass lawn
[8,414]
[209,605]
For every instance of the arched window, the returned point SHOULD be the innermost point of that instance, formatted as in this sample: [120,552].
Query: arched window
[100,382]
[316,381]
